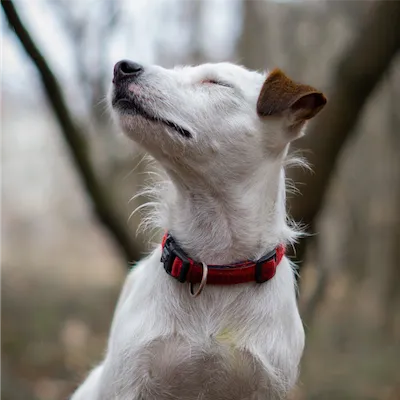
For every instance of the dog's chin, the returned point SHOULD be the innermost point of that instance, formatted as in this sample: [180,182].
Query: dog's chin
[125,106]
[132,109]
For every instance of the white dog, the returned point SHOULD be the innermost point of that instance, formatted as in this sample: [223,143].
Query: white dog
[221,133]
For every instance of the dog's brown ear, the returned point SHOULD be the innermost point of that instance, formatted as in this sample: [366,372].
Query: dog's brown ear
[282,96]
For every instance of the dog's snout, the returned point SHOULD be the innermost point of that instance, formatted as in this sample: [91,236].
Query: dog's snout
[126,69]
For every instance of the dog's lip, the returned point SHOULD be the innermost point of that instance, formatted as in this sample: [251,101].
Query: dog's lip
[133,106]
[122,100]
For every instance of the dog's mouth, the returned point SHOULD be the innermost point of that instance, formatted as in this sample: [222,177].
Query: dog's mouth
[132,106]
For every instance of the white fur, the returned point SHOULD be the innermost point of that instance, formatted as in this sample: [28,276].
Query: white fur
[225,202]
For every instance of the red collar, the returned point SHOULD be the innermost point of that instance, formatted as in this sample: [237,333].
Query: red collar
[181,267]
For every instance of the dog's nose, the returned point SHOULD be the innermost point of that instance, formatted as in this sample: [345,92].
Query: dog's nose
[126,69]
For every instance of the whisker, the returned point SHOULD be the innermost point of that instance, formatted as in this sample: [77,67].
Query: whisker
[135,168]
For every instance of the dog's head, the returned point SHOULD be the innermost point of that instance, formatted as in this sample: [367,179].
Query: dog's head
[211,117]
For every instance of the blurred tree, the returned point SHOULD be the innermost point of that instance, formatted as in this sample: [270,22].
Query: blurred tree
[90,45]
[357,74]
[90,59]
[253,46]
[192,12]
[75,139]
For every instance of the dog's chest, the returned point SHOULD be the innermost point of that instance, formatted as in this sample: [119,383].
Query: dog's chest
[177,368]
[166,345]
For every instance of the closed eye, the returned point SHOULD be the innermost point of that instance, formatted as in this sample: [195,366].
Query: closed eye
[216,82]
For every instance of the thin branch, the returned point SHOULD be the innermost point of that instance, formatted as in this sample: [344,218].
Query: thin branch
[73,137]
[359,71]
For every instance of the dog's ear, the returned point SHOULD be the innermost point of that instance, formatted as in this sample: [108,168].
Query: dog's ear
[297,103]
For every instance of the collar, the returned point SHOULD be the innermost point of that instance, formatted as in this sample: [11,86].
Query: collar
[181,267]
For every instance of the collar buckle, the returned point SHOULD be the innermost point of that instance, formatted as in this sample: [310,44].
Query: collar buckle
[260,263]
[169,254]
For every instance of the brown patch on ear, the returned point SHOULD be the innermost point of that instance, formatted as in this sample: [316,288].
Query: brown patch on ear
[280,94]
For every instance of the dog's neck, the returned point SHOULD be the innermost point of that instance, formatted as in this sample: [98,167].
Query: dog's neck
[226,222]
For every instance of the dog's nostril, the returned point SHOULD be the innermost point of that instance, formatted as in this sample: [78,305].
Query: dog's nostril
[130,67]
[126,68]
